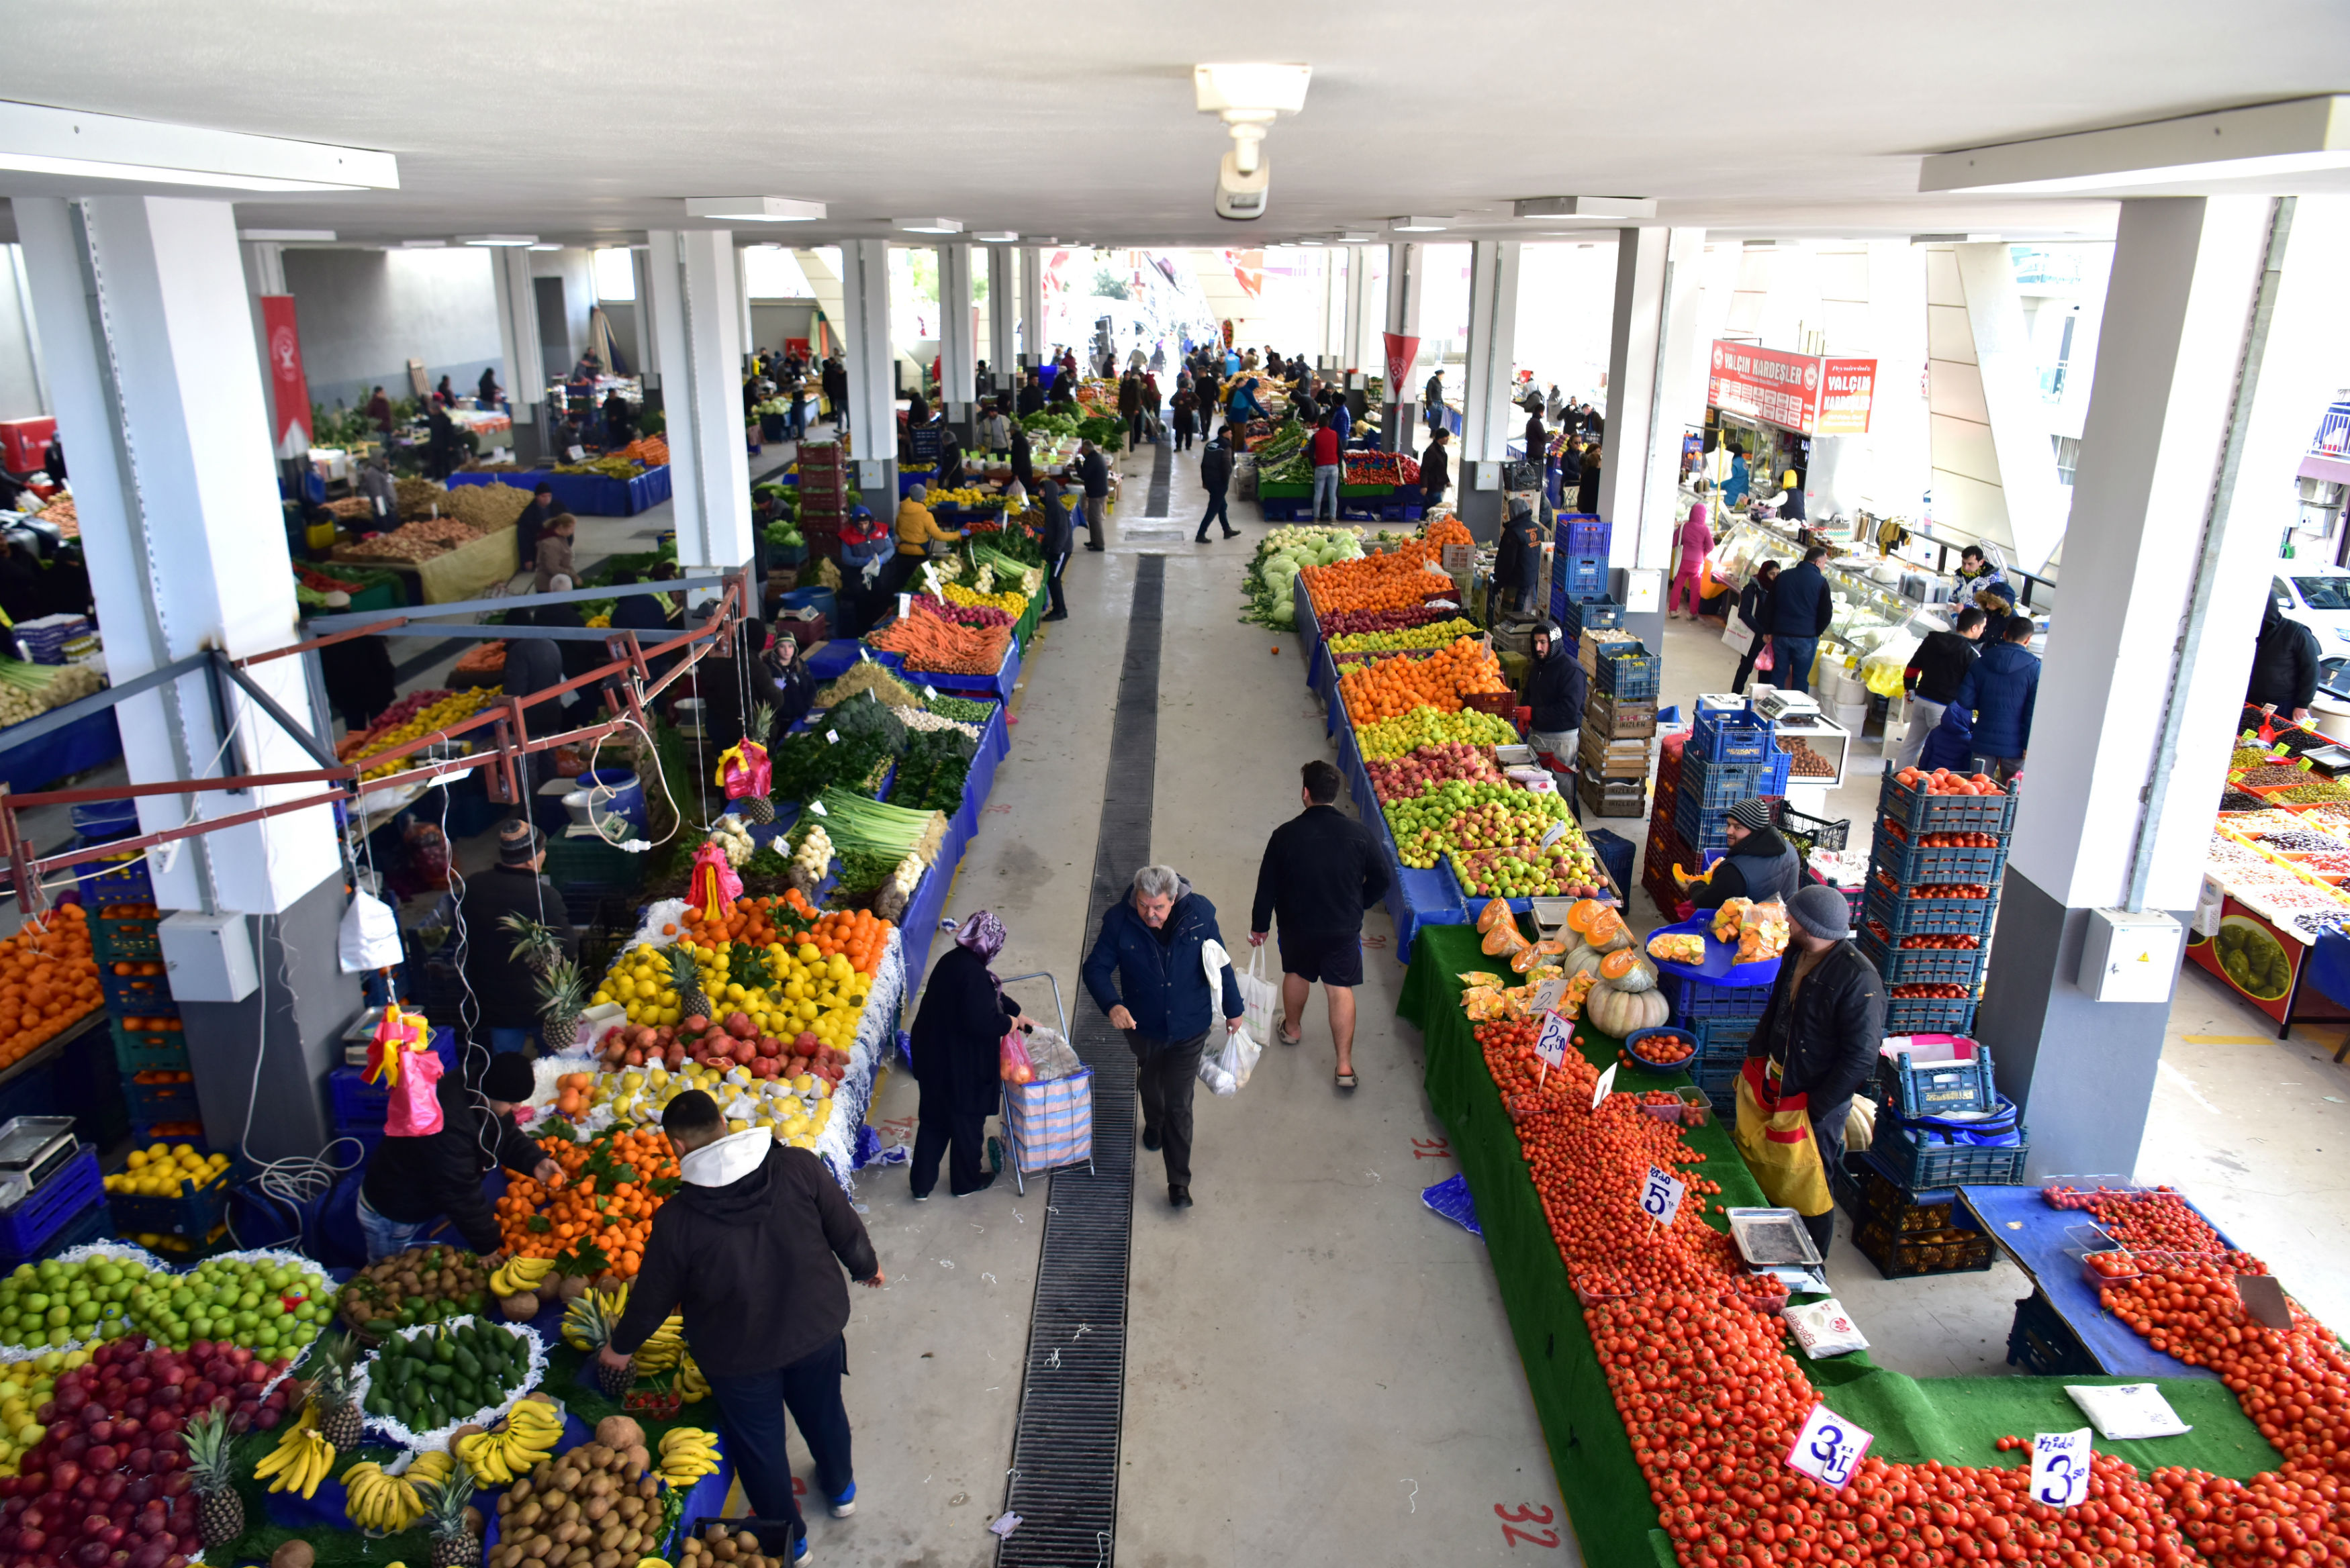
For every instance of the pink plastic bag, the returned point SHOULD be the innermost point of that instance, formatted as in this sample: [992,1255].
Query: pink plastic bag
[714,885]
[745,771]
[1014,1059]
[415,1109]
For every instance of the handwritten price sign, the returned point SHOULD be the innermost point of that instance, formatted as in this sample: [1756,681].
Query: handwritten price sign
[1551,1044]
[1829,1448]
[1660,1196]
[2060,1468]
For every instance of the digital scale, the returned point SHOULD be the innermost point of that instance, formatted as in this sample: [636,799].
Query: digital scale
[1783,707]
[33,1150]
[1774,1242]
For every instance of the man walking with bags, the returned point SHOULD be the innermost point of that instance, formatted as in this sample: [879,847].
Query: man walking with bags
[1322,869]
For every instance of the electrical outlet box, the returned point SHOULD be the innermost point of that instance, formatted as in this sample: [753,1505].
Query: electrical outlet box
[1643,589]
[2127,957]
[209,957]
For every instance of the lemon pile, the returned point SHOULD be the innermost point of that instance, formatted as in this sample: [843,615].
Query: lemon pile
[824,996]
[1012,602]
[24,1388]
[157,1171]
[448,710]
[969,496]
[795,1112]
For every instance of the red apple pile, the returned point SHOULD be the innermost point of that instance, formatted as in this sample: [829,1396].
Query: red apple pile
[107,1487]
[1406,777]
[1338,623]
[732,1041]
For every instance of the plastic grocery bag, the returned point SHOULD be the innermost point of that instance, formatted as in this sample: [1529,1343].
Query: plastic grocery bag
[415,1109]
[1013,1059]
[1228,1070]
[1261,997]
[370,935]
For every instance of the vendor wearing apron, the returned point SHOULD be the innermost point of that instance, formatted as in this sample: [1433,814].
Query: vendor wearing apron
[1815,1046]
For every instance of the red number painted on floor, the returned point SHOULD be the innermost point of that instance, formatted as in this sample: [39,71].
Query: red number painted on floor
[1525,1514]
[799,1486]
[1430,1148]
[1375,941]
[998,809]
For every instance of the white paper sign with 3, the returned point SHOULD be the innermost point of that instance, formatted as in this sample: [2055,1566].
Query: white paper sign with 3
[1829,1448]
[2060,1466]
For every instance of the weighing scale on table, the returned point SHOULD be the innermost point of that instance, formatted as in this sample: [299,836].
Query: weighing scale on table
[1794,709]
[32,1150]
[1773,1241]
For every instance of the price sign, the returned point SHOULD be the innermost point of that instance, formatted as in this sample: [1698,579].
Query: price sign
[863,656]
[1551,1044]
[1829,1448]
[1660,1196]
[817,806]
[1547,995]
[1605,1088]
[1557,831]
[905,606]
[2060,1468]
[930,692]
[833,736]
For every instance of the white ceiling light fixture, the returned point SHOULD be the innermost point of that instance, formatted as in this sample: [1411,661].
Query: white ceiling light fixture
[2265,141]
[288,236]
[544,246]
[1585,207]
[501,241]
[423,245]
[755,209]
[1351,237]
[35,139]
[1248,96]
[1417,225]
[996,236]
[928,225]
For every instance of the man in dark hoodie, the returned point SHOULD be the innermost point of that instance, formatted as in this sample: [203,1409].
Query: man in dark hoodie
[2000,690]
[414,1183]
[1760,865]
[2284,666]
[1801,609]
[1216,478]
[746,1249]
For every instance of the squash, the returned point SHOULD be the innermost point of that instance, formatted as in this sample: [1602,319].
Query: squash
[1581,960]
[1608,932]
[1621,1012]
[1496,912]
[1629,969]
[1580,914]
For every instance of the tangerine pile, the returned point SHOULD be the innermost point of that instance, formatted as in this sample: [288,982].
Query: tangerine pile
[1388,580]
[48,979]
[603,1208]
[1390,688]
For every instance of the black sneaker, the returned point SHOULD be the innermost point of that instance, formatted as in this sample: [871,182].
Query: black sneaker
[1178,1197]
[1150,1139]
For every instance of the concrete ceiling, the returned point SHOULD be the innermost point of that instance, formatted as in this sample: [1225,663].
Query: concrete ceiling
[589,120]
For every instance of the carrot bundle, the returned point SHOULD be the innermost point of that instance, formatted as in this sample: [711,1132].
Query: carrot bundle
[930,643]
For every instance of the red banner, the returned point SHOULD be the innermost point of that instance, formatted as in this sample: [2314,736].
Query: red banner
[1402,351]
[289,389]
[1800,392]
[1847,392]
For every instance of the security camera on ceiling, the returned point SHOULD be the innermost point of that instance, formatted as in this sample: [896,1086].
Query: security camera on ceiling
[1247,99]
[1240,196]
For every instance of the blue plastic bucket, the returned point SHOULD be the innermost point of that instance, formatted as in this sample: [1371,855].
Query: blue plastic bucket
[616,792]
[105,820]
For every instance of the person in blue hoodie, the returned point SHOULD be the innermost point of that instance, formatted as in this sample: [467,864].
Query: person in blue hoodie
[1146,972]
[1999,690]
[1951,744]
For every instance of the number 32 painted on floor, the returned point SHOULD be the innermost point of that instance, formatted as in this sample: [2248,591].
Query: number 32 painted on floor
[1526,1514]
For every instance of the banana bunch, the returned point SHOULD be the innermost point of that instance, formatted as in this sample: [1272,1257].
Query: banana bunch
[391,1504]
[529,1435]
[592,1315]
[516,1275]
[686,1454]
[299,1461]
[692,1387]
[660,1351]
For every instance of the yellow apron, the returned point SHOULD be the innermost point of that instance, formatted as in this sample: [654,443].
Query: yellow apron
[1774,1135]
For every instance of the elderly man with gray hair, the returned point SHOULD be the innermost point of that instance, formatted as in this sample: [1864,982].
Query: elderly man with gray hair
[1146,972]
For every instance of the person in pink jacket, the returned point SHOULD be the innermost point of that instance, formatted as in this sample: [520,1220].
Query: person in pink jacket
[1697,543]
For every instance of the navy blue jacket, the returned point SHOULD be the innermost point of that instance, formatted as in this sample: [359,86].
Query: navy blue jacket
[1999,691]
[1801,605]
[1951,744]
[1163,984]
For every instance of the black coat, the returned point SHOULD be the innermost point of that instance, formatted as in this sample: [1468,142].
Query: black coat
[957,1033]
[1055,536]
[534,517]
[506,991]
[835,382]
[358,677]
[1761,866]
[1322,869]
[1754,606]
[1024,460]
[1435,470]
[533,666]
[1216,469]
[2284,665]
[1031,400]
[412,1180]
[1586,494]
[1941,662]
[1094,470]
[1801,605]
[1827,1037]
[1538,440]
[1556,689]
[754,1266]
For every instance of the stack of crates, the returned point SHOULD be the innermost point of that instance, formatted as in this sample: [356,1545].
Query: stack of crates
[1906,1217]
[1934,875]
[150,1048]
[1909,1232]
[1723,1018]
[1664,849]
[1730,756]
[1620,718]
[824,497]
[1578,568]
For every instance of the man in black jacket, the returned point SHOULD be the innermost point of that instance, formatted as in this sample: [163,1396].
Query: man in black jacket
[1556,689]
[1093,468]
[1321,870]
[1819,1034]
[2284,666]
[1759,864]
[835,382]
[1801,609]
[1216,478]
[1436,468]
[505,988]
[1935,671]
[414,1183]
[1031,397]
[746,1249]
[1056,537]
[1754,611]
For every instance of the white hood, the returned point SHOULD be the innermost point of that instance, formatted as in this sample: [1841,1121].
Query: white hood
[729,1160]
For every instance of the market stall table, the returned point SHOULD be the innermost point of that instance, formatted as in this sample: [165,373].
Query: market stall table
[584,494]
[453,575]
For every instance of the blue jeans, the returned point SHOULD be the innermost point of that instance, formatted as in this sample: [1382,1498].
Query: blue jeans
[386,1237]
[751,1405]
[505,1040]
[1325,481]
[1791,663]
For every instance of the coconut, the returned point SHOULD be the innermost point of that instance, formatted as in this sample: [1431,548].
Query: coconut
[619,1432]
[520,1308]
[293,1555]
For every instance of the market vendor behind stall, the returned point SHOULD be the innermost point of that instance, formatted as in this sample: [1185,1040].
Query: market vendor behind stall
[413,1184]
[1759,864]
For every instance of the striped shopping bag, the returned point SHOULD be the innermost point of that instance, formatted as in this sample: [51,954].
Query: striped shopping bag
[1051,1121]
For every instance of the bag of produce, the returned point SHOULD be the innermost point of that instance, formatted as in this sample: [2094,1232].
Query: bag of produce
[1051,1054]
[1476,977]
[1761,930]
[1013,1059]
[1728,918]
[1260,996]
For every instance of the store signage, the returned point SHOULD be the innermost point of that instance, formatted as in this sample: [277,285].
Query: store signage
[2060,1468]
[1801,392]
[1660,1196]
[1829,1448]
[289,387]
[1403,351]
[1551,1044]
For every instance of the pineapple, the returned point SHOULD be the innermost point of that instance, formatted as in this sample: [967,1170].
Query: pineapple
[221,1515]
[562,997]
[332,1395]
[757,807]
[536,948]
[686,980]
[587,1325]
[456,1541]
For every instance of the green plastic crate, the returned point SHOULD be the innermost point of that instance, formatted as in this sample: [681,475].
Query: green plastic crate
[126,941]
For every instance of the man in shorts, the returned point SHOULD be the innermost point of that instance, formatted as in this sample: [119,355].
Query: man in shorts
[1322,869]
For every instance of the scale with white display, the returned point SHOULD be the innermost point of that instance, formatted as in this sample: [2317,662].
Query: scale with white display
[1774,1242]
[1796,709]
[32,1150]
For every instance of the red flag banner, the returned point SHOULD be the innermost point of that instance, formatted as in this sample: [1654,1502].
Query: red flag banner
[289,389]
[1403,349]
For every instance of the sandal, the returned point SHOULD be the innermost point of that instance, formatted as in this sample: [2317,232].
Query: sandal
[1296,1039]
[1346,1080]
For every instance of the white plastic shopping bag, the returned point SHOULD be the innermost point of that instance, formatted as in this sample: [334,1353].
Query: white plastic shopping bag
[1261,998]
[370,935]
[1226,1069]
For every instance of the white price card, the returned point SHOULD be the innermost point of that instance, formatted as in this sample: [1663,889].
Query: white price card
[863,656]
[1660,1196]
[1557,831]
[833,736]
[817,806]
[1605,1088]
[1547,994]
[2060,1468]
[905,606]
[1551,1044]
[930,692]
[1829,1448]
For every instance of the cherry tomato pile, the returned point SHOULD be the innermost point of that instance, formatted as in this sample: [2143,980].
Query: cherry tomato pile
[2157,1220]
[1942,781]
[1942,840]
[1933,942]
[1664,1050]
[1934,889]
[1931,992]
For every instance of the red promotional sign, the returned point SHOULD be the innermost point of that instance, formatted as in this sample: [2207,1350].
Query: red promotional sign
[1403,349]
[1847,391]
[1763,384]
[289,389]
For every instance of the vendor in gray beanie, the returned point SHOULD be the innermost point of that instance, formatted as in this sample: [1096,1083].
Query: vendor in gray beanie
[416,1186]
[1818,1040]
[1759,864]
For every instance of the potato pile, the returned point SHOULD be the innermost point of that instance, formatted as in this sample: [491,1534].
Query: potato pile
[597,1506]
[424,1284]
[715,1545]
[487,508]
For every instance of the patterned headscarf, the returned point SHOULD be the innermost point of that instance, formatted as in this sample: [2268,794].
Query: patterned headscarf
[983,934]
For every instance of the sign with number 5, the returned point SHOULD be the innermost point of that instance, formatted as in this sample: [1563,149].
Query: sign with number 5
[1660,1197]
[1829,1448]
[2060,1468]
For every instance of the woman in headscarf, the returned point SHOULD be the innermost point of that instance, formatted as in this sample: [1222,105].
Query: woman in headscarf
[958,1032]
[1696,545]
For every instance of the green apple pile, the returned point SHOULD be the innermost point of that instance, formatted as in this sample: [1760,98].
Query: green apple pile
[270,1307]
[1494,833]
[56,1303]
[1439,634]
[1391,737]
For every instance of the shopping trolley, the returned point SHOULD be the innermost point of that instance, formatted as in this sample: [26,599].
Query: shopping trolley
[1048,1125]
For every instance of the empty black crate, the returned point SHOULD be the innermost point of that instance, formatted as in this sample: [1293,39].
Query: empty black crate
[2042,1342]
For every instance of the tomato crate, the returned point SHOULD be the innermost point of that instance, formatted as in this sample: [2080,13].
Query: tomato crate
[1918,1164]
[1731,735]
[1722,1040]
[125,941]
[2042,1342]
[1923,966]
[1693,1000]
[1915,1254]
[148,1050]
[50,1206]
[1922,864]
[1721,785]
[137,995]
[1921,814]
[152,1105]
[1906,915]
[1918,1088]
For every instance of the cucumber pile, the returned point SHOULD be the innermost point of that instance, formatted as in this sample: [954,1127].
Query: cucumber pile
[445,1375]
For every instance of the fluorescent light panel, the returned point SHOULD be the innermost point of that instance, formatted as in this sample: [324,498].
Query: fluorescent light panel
[1251,87]
[928,225]
[995,236]
[499,239]
[1417,225]
[1586,207]
[423,245]
[288,236]
[755,209]
[36,139]
[2271,140]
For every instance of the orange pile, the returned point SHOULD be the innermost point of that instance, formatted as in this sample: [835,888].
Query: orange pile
[749,920]
[1447,531]
[48,979]
[855,932]
[1390,688]
[1394,579]
[616,1216]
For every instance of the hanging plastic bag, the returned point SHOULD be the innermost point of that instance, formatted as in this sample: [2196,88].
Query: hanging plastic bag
[744,769]
[1012,1059]
[401,1056]
[714,885]
[1764,662]
[1227,1072]
[370,938]
[1260,997]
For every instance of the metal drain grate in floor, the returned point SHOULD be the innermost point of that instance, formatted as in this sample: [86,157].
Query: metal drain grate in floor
[1064,1479]
[1162,467]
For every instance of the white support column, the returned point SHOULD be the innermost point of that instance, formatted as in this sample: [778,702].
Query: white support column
[1994,466]
[872,390]
[697,321]
[141,304]
[523,367]
[264,272]
[1351,356]
[1003,311]
[1406,265]
[744,334]
[2225,325]
[1485,407]
[1033,341]
[647,339]
[957,375]
[1632,342]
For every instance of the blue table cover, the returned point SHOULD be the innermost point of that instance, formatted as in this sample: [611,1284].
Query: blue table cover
[586,494]
[62,753]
